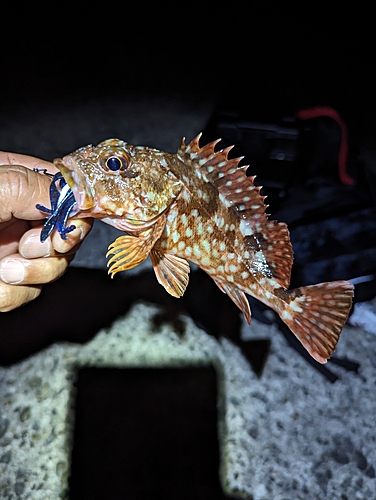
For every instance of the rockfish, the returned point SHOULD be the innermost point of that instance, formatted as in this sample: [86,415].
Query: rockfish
[198,205]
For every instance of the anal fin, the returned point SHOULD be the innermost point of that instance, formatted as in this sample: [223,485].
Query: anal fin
[238,297]
[171,272]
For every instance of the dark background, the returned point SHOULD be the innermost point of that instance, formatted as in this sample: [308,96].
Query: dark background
[280,60]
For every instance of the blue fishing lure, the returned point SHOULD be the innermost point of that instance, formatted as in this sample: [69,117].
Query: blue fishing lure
[62,202]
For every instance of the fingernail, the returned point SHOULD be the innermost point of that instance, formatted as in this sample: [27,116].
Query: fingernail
[33,248]
[79,229]
[12,271]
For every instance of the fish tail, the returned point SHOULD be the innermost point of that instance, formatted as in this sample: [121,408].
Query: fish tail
[316,315]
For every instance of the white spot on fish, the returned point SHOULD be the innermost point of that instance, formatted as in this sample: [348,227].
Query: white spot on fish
[194,213]
[175,237]
[186,196]
[200,229]
[273,283]
[181,245]
[206,246]
[230,279]
[222,246]
[233,268]
[295,307]
[188,251]
[184,219]
[188,232]
[231,256]
[196,250]
[221,269]
[245,275]
[210,229]
[221,222]
[246,228]
[205,261]
[286,315]
[224,200]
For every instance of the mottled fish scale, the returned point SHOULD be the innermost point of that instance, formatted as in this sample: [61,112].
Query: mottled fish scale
[239,193]
[233,256]
[203,237]
[198,205]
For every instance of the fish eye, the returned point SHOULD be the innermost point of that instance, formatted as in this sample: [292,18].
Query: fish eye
[114,163]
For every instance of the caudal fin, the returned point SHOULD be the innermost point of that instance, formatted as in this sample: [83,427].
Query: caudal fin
[316,315]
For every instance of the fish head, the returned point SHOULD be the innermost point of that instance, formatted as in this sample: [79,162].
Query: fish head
[117,180]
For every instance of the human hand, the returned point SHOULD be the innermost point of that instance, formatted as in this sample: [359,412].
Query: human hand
[26,263]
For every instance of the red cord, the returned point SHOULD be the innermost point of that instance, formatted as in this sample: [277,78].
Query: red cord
[307,114]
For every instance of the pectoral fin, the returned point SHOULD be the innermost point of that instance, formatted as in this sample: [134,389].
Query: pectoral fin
[171,272]
[130,250]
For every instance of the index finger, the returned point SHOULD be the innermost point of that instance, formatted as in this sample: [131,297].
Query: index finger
[26,161]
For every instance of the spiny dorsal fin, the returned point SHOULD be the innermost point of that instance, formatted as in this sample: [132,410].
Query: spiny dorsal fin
[239,192]
[214,163]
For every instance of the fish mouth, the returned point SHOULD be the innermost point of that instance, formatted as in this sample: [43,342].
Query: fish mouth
[77,182]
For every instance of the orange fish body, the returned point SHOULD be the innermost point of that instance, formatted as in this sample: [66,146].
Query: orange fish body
[197,205]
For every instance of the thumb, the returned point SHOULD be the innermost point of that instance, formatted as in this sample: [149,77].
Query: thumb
[20,190]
